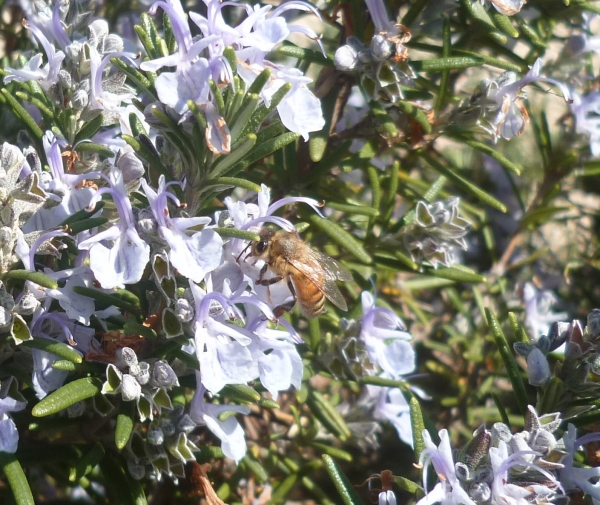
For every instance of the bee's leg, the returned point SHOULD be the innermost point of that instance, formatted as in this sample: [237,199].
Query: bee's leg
[286,307]
[268,282]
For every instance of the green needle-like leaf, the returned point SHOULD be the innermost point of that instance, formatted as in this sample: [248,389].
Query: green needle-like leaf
[512,367]
[37,277]
[329,417]
[345,489]
[125,423]
[100,150]
[87,462]
[226,162]
[68,395]
[16,479]
[418,425]
[110,299]
[89,128]
[240,393]
[86,224]
[19,111]
[53,347]
[342,238]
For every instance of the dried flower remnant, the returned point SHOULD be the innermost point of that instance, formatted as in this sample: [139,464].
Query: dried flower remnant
[436,231]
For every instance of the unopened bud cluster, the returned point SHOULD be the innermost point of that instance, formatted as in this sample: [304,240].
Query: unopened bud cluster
[382,65]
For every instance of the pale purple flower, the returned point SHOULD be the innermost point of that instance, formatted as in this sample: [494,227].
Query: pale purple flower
[586,110]
[77,307]
[278,362]
[538,310]
[27,254]
[386,498]
[33,71]
[118,255]
[45,378]
[221,348]
[99,97]
[258,34]
[253,38]
[495,105]
[384,338]
[448,490]
[572,477]
[9,436]
[509,119]
[62,186]
[503,491]
[300,110]
[392,406]
[193,255]
[229,431]
[251,216]
[380,17]
[190,79]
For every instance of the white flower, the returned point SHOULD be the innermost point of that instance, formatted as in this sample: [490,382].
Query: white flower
[448,491]
[193,255]
[572,477]
[586,110]
[381,330]
[229,431]
[538,310]
[9,436]
[122,262]
[392,406]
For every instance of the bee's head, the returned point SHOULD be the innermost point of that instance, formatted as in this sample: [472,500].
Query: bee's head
[260,248]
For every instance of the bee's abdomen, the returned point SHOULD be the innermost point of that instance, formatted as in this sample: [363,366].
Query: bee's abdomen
[310,297]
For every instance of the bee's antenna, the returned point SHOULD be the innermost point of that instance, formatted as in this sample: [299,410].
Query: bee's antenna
[237,260]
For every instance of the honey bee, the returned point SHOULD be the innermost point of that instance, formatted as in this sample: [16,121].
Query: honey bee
[309,274]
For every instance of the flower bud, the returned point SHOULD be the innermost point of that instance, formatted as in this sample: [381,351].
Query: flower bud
[112,44]
[163,375]
[184,310]
[185,424]
[593,323]
[168,428]
[79,99]
[73,51]
[480,492]
[135,470]
[538,367]
[381,49]
[128,163]
[126,357]
[64,78]
[143,375]
[155,435]
[130,388]
[346,59]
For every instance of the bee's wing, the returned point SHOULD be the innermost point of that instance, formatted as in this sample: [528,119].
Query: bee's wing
[333,269]
[314,265]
